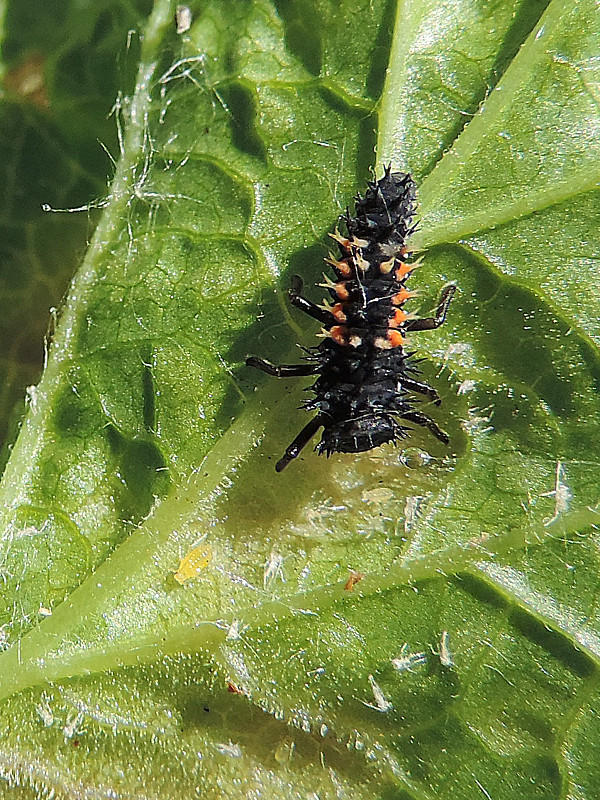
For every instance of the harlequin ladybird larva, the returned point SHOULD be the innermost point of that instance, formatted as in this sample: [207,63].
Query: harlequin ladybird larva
[364,372]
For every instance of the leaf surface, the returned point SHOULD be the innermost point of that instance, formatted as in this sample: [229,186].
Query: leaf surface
[464,660]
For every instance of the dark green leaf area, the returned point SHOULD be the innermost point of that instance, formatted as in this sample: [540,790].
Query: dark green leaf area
[205,128]
[61,78]
[79,50]
[160,365]
[554,251]
[297,124]
[38,252]
[546,395]
[457,54]
[131,467]
[403,678]
[326,37]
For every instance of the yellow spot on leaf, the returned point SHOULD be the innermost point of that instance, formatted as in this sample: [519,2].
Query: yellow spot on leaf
[193,563]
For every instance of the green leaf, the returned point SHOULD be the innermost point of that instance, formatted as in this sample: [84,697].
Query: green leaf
[463,663]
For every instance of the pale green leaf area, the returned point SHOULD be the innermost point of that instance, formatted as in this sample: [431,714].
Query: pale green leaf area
[416,622]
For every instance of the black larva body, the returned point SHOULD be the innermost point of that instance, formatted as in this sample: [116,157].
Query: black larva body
[365,376]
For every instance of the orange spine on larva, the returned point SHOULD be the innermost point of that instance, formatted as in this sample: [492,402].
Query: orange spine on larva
[343,267]
[339,334]
[397,318]
[395,338]
[338,312]
[401,297]
[402,270]
[341,290]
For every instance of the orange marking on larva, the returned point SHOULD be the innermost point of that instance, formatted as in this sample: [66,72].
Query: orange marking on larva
[402,270]
[338,312]
[339,334]
[342,266]
[345,243]
[402,296]
[395,338]
[353,579]
[341,289]
[398,318]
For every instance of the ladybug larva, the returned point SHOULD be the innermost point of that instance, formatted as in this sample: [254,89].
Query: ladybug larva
[365,374]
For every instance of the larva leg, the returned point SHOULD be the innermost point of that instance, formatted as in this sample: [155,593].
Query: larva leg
[294,449]
[425,422]
[283,370]
[305,305]
[429,323]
